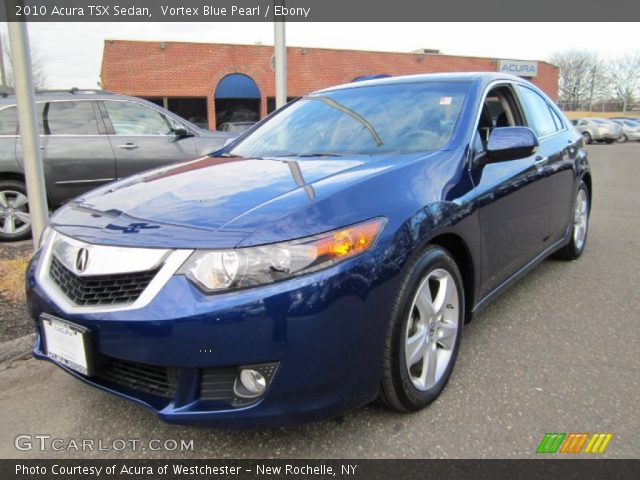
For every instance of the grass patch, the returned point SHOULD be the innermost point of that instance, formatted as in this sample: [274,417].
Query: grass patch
[12,278]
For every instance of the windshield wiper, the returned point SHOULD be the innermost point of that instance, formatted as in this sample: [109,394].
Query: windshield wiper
[352,113]
[303,155]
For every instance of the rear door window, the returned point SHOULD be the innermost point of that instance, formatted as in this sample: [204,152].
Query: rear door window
[538,113]
[67,118]
[558,121]
[8,121]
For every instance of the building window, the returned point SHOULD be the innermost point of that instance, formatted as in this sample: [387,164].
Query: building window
[271,103]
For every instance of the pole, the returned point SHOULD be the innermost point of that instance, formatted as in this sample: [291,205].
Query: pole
[27,119]
[3,74]
[281,63]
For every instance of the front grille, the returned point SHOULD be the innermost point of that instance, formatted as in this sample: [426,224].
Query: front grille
[100,289]
[158,381]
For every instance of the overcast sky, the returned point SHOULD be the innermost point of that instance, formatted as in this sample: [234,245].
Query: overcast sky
[72,52]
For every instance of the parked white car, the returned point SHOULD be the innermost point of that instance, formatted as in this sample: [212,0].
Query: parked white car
[630,130]
[597,129]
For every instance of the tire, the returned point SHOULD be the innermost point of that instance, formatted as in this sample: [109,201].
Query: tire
[15,222]
[414,327]
[586,136]
[609,141]
[623,138]
[580,227]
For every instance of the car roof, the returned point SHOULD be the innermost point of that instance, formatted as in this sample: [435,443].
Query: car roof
[9,98]
[481,77]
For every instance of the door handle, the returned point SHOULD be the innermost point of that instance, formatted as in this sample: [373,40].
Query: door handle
[128,146]
[540,161]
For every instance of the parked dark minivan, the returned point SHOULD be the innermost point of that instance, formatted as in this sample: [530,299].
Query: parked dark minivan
[89,138]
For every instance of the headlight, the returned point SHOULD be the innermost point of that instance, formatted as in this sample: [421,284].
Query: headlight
[47,233]
[215,270]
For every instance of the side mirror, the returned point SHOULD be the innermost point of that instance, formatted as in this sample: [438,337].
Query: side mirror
[510,143]
[180,131]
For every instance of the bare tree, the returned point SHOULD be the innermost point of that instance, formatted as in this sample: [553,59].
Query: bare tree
[37,64]
[582,76]
[624,74]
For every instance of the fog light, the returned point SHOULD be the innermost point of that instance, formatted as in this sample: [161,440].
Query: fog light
[252,384]
[253,381]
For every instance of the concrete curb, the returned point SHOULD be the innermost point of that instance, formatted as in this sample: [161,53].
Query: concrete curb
[18,348]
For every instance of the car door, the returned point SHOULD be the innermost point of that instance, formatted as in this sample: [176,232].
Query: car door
[76,152]
[513,199]
[8,136]
[142,137]
[558,149]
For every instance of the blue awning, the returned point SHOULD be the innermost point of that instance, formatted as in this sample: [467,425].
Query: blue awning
[237,85]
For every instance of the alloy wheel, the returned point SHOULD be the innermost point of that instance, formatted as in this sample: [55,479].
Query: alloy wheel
[432,329]
[580,220]
[14,213]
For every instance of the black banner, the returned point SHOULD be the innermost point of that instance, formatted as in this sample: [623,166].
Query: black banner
[320,11]
[319,469]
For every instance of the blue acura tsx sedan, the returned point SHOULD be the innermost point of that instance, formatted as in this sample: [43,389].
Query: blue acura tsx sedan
[328,257]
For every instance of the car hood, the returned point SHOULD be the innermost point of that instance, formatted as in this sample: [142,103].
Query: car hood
[210,194]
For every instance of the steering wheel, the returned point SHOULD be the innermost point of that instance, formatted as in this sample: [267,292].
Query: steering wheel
[414,133]
[426,136]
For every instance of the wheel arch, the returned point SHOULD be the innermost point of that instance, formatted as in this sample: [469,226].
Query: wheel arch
[586,178]
[461,253]
[19,177]
[12,176]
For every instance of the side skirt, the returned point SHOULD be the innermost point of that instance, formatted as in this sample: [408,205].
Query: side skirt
[517,275]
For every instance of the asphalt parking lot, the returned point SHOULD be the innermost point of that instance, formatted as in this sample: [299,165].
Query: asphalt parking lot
[558,352]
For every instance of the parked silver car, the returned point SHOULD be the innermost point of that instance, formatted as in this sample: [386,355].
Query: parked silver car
[597,129]
[633,119]
[630,130]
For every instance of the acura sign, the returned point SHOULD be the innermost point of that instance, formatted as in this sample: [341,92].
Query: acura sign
[518,67]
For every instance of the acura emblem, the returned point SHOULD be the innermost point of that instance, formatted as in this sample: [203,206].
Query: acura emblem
[82,260]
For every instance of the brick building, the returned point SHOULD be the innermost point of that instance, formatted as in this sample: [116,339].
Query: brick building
[213,83]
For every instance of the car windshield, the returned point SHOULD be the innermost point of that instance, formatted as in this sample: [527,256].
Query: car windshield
[380,119]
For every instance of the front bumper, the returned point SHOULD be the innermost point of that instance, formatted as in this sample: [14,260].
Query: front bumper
[633,136]
[324,331]
[608,135]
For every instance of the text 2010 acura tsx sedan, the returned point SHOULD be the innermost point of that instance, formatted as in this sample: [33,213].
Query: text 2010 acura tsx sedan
[328,257]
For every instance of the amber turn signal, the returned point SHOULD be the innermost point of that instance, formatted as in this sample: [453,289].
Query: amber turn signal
[350,241]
